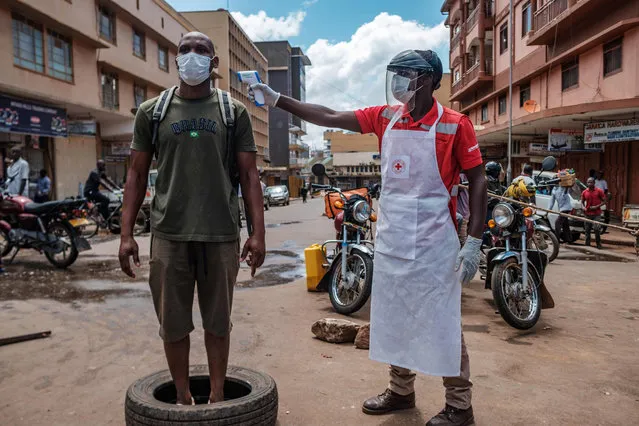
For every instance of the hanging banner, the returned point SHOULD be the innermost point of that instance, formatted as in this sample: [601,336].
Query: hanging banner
[569,140]
[82,127]
[612,131]
[26,117]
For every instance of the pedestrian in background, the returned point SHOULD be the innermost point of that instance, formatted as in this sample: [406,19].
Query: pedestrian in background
[561,196]
[592,200]
[602,184]
[463,210]
[44,188]
[18,173]
[304,192]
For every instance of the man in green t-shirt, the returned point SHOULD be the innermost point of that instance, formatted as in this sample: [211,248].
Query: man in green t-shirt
[194,214]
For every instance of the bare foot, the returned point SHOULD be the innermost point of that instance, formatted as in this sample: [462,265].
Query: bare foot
[216,397]
[185,398]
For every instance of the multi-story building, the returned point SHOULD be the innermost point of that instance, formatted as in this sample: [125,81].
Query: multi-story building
[71,73]
[286,74]
[575,88]
[237,53]
[356,160]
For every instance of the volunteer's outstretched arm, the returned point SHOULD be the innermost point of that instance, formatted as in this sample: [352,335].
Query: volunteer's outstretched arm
[316,114]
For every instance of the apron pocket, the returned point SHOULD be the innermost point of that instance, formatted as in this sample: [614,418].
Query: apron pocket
[397,227]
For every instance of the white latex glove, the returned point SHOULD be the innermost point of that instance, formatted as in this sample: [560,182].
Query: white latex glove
[270,96]
[468,259]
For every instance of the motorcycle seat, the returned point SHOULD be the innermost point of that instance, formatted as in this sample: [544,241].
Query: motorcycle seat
[40,208]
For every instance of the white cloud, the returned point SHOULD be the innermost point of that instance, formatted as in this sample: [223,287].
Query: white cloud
[261,27]
[351,74]
[309,3]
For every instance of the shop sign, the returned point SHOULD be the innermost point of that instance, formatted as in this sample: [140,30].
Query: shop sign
[565,140]
[82,127]
[121,149]
[612,131]
[26,117]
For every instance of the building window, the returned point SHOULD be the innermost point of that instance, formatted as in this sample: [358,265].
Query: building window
[524,94]
[457,76]
[570,74]
[27,44]
[503,38]
[139,94]
[59,62]
[526,19]
[139,44]
[162,22]
[612,56]
[106,24]
[502,104]
[110,98]
[163,58]
[516,147]
[484,113]
[137,4]
[456,29]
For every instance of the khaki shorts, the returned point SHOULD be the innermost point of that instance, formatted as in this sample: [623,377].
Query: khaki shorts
[175,268]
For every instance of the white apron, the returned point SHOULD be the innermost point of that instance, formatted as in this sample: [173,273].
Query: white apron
[416,296]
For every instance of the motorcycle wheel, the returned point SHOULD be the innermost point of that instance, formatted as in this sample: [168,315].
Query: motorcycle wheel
[506,276]
[5,243]
[348,301]
[65,232]
[547,242]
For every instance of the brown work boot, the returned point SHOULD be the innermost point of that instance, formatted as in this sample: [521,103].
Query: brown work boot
[451,416]
[387,402]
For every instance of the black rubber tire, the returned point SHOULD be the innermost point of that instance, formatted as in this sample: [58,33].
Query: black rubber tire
[73,254]
[259,407]
[8,247]
[363,296]
[500,299]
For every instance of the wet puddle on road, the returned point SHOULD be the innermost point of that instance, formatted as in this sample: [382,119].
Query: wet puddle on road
[95,281]
[280,267]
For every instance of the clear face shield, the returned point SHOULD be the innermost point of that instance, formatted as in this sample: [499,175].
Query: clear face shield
[401,88]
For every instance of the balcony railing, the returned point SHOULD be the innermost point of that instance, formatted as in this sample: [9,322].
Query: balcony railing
[455,41]
[548,12]
[472,19]
[490,6]
[472,74]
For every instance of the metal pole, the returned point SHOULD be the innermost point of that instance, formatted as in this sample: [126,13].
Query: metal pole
[509,170]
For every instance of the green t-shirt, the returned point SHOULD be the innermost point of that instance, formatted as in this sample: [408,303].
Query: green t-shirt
[194,200]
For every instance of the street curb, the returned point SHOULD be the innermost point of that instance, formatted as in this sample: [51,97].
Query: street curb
[617,242]
[596,252]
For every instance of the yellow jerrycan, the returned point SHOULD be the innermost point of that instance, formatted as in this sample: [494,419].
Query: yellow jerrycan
[314,259]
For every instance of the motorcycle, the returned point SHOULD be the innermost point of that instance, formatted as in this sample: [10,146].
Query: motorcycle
[46,227]
[514,272]
[544,238]
[349,277]
[113,221]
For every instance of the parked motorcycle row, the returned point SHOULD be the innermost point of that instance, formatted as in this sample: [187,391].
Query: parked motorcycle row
[518,247]
[58,229]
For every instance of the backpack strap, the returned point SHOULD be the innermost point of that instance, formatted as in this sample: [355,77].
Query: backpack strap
[159,112]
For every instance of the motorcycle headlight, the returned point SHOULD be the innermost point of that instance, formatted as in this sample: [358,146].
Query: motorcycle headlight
[503,215]
[361,211]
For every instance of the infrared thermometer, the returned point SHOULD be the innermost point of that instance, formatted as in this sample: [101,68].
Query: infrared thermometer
[250,78]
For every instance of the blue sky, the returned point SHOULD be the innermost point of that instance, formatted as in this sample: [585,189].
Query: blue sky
[334,20]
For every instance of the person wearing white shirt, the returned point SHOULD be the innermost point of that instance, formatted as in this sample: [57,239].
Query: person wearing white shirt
[601,183]
[18,174]
[561,196]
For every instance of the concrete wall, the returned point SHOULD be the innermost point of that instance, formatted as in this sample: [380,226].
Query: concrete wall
[501,62]
[355,158]
[74,158]
[85,75]
[351,142]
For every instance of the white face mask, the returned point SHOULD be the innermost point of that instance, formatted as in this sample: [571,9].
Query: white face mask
[193,68]
[399,86]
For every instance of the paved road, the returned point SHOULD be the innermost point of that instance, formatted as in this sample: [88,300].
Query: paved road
[577,367]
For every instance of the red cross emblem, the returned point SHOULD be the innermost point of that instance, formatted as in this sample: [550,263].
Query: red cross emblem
[398,166]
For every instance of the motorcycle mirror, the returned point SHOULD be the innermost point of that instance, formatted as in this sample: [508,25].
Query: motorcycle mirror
[318,170]
[549,163]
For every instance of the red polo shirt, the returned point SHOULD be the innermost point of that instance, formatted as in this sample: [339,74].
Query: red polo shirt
[592,198]
[457,148]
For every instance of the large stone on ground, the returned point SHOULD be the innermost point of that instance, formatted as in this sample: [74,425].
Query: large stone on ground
[363,338]
[335,330]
